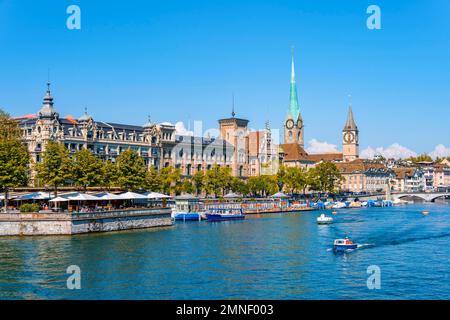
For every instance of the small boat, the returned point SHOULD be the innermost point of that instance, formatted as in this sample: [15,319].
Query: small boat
[343,245]
[338,205]
[187,216]
[187,208]
[224,214]
[323,219]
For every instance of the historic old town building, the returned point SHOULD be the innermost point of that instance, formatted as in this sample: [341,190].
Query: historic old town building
[157,143]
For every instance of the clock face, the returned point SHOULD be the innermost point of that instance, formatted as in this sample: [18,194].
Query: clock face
[290,124]
[299,124]
[349,137]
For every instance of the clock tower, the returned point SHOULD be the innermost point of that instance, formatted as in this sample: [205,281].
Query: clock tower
[293,126]
[350,138]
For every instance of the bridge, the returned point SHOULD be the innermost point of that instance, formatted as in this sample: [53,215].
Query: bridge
[427,196]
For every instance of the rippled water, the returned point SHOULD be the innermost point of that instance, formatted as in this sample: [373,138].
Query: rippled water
[279,256]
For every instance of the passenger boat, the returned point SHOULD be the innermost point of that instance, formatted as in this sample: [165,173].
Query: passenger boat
[187,216]
[224,214]
[343,245]
[187,208]
[323,219]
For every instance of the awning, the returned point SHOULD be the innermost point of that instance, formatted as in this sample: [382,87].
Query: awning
[36,196]
[59,199]
[82,197]
[132,196]
[108,196]
[232,195]
[156,195]
[279,195]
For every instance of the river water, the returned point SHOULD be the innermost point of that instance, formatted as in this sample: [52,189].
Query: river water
[276,256]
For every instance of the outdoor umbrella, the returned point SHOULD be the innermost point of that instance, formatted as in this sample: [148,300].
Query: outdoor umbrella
[156,195]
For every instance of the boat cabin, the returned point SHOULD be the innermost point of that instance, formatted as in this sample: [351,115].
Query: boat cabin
[187,203]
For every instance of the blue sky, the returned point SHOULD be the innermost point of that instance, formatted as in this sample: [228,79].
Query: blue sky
[182,60]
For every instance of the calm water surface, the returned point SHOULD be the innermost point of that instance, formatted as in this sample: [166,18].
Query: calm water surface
[279,256]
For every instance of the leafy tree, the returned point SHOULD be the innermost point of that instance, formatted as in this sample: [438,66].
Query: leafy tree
[187,186]
[281,176]
[295,179]
[262,185]
[87,169]
[420,158]
[110,174]
[325,177]
[153,180]
[170,179]
[198,181]
[217,180]
[56,167]
[9,129]
[238,185]
[14,160]
[131,170]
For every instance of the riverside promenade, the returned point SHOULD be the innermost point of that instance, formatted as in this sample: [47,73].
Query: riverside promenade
[32,224]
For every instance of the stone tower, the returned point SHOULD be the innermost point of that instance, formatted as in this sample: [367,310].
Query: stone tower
[350,138]
[293,126]
[235,132]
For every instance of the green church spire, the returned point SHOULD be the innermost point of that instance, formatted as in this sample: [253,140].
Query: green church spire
[294,109]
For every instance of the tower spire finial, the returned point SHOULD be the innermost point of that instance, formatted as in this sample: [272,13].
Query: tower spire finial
[292,65]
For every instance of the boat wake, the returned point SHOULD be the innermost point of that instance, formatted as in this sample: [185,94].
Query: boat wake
[394,242]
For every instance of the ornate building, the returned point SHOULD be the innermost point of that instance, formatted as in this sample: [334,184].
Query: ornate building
[157,143]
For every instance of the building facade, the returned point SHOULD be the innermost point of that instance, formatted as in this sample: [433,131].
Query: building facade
[363,175]
[157,143]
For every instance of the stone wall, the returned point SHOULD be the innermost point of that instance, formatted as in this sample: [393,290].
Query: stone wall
[14,224]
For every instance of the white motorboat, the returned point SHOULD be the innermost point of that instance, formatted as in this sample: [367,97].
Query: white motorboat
[338,205]
[323,219]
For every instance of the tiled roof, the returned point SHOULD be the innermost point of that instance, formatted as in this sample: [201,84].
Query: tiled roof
[316,157]
[358,165]
[294,152]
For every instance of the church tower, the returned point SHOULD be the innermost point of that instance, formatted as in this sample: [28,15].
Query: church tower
[350,138]
[293,126]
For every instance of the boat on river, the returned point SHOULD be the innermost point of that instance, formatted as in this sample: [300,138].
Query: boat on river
[224,214]
[187,208]
[341,245]
[323,219]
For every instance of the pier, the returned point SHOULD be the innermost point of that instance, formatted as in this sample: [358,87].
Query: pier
[32,224]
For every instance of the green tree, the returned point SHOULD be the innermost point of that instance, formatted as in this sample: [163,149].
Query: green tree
[295,179]
[187,186]
[420,158]
[281,176]
[56,167]
[238,185]
[325,177]
[131,170]
[170,179]
[110,174]
[14,161]
[198,181]
[87,169]
[217,180]
[153,180]
[9,129]
[264,185]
